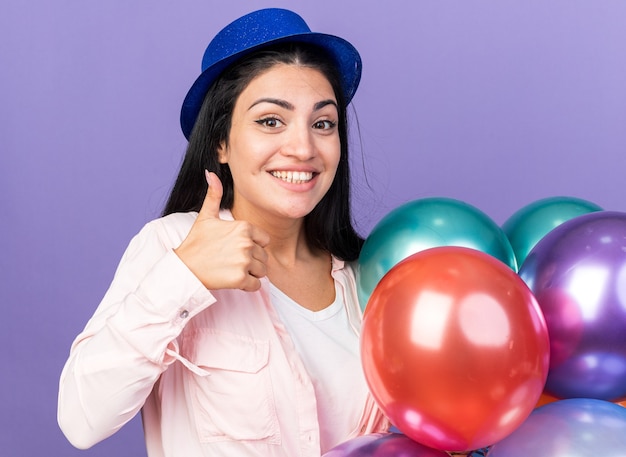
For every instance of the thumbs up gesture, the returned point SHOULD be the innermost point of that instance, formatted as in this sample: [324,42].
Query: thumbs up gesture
[224,254]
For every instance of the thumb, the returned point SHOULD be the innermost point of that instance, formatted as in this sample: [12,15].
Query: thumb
[211,205]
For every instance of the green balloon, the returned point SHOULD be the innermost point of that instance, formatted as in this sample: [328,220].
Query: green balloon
[423,224]
[532,222]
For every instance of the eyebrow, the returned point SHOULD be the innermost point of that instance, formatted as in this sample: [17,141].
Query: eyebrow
[286,105]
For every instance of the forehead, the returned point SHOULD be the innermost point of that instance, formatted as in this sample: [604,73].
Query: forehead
[291,82]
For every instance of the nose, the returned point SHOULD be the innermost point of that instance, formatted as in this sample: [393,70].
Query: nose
[299,142]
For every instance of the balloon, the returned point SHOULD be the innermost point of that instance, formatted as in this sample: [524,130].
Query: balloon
[546,398]
[454,348]
[383,445]
[423,224]
[577,427]
[532,222]
[578,275]
[354,446]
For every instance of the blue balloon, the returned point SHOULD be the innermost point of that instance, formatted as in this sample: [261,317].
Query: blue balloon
[576,427]
[532,222]
[423,224]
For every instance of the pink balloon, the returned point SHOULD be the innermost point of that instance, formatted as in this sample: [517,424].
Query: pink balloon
[383,445]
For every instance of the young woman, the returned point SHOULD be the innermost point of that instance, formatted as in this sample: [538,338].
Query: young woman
[232,322]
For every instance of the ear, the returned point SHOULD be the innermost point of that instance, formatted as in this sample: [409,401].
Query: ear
[222,153]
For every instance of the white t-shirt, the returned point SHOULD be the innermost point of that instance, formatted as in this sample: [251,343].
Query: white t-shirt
[329,349]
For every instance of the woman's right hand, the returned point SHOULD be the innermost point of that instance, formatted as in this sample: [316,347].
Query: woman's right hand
[224,254]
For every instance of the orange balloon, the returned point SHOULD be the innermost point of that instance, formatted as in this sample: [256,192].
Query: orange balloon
[454,348]
[544,399]
[547,398]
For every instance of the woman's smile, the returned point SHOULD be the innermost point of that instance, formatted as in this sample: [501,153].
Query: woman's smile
[293,177]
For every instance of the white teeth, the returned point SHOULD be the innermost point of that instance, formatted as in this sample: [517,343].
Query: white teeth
[296,177]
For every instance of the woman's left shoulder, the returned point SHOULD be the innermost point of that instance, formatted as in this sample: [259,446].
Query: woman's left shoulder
[343,267]
[339,264]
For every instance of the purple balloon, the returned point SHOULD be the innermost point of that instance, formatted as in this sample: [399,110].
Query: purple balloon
[383,445]
[577,427]
[577,273]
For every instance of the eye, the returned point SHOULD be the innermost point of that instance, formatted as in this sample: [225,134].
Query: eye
[270,122]
[324,125]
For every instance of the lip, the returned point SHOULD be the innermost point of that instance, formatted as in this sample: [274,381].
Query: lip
[299,168]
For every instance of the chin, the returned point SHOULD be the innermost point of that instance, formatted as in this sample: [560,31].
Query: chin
[296,212]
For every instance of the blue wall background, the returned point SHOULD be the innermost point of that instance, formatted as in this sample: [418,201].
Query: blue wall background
[494,102]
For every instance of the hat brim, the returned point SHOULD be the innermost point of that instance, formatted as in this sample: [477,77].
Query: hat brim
[345,56]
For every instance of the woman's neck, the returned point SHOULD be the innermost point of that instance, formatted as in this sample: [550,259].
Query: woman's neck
[288,243]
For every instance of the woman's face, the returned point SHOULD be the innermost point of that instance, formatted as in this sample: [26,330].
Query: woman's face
[283,149]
